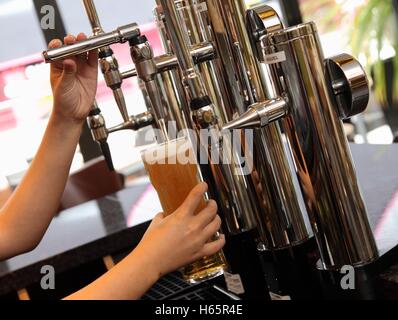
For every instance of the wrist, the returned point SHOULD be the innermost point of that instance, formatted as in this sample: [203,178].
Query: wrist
[65,121]
[148,262]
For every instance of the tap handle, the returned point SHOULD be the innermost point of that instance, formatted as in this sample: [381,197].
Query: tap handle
[96,123]
[106,151]
[120,35]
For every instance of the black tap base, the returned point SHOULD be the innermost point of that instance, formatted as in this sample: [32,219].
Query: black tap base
[243,260]
[291,273]
[351,283]
[375,281]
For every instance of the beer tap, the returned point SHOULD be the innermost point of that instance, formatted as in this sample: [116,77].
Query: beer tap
[108,62]
[230,188]
[96,120]
[96,123]
[319,94]
[100,133]
[228,67]
[143,58]
[121,35]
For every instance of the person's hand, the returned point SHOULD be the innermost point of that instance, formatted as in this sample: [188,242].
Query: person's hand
[74,82]
[181,238]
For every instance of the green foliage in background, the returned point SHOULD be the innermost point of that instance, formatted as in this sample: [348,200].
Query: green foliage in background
[375,26]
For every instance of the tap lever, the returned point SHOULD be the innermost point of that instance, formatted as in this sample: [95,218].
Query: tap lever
[120,35]
[106,151]
[200,53]
[113,78]
[96,123]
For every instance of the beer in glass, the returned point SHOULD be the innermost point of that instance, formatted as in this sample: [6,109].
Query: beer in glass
[173,171]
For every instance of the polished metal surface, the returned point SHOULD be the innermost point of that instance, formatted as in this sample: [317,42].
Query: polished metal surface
[97,125]
[230,185]
[194,20]
[93,18]
[320,149]
[227,67]
[327,174]
[142,55]
[135,123]
[271,20]
[120,35]
[349,84]
[110,69]
[236,204]
[259,115]
[170,82]
[108,62]
[200,53]
[182,51]
[281,220]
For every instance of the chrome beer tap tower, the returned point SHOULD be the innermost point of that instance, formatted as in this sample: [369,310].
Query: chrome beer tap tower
[230,68]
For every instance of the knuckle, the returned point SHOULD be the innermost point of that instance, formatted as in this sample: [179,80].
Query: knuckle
[212,206]
[178,216]
[188,231]
[197,244]
[221,243]
[208,252]
[191,230]
[196,193]
[216,224]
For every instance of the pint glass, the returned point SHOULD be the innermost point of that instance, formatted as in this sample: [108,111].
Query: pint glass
[173,171]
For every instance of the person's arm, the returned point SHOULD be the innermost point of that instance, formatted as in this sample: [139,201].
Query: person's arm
[28,213]
[169,244]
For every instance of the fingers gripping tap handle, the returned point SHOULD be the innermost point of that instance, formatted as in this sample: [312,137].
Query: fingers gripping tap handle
[120,35]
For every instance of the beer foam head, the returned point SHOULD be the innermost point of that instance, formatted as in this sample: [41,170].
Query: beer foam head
[179,151]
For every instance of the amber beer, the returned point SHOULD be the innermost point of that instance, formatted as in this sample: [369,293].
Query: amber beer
[173,172]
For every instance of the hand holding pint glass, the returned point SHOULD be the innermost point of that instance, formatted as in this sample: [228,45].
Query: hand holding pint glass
[173,170]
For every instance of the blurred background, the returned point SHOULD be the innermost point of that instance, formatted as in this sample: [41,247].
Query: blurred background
[365,28]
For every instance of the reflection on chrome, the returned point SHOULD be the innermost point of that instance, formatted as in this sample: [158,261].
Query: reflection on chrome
[227,67]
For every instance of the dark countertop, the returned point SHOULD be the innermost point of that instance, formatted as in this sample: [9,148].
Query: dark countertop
[117,222]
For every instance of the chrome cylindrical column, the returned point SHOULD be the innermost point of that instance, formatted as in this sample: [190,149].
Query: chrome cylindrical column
[282,221]
[181,48]
[170,81]
[323,160]
[237,206]
[92,16]
[194,17]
